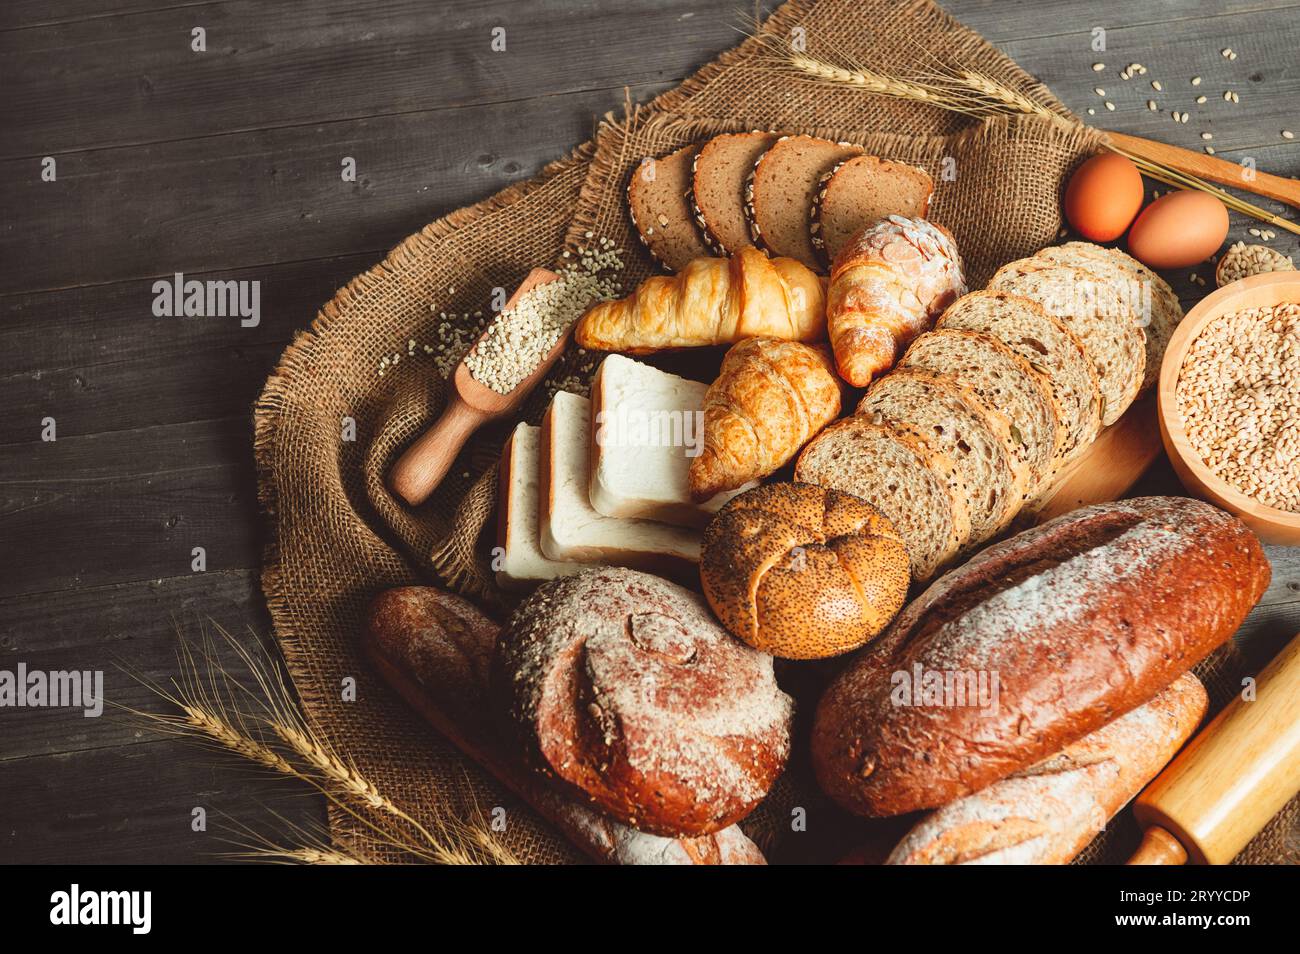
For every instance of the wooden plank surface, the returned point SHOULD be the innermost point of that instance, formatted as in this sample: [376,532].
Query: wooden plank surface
[225,164]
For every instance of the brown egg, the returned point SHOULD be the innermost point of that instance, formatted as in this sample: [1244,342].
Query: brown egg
[1178,230]
[1103,196]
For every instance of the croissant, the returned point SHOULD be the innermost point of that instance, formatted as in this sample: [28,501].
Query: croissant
[889,283]
[771,397]
[712,301]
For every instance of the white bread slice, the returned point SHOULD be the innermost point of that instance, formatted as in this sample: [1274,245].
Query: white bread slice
[976,437]
[647,425]
[520,561]
[897,470]
[571,529]
[1003,380]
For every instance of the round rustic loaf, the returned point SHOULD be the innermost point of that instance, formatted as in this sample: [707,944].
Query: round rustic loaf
[803,572]
[624,688]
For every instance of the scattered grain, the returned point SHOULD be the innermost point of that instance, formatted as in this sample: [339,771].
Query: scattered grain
[1110,106]
[1287,134]
[1196,81]
[1098,67]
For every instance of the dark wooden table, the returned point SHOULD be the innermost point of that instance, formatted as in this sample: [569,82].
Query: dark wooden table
[225,164]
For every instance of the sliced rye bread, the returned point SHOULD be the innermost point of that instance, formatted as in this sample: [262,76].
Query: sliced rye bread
[856,192]
[900,472]
[1005,381]
[657,203]
[1109,333]
[717,194]
[1049,346]
[780,190]
[1156,307]
[977,438]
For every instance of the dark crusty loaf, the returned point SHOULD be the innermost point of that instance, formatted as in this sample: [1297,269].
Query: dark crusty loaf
[862,190]
[1080,619]
[623,688]
[717,193]
[435,650]
[1049,812]
[661,211]
[779,194]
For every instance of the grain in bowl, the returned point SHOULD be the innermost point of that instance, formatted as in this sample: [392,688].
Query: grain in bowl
[1238,395]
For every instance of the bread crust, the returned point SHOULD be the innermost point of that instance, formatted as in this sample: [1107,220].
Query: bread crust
[1082,618]
[623,690]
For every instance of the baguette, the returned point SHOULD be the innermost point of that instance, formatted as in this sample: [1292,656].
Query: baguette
[1049,813]
[1081,619]
[435,650]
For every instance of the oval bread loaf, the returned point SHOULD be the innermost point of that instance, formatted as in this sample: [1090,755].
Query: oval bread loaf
[803,572]
[621,686]
[1080,619]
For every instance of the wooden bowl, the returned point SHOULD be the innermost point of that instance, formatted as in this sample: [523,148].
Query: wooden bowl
[1257,291]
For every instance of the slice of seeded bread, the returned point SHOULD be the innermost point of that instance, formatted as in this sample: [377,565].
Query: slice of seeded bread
[1050,347]
[656,200]
[780,190]
[717,193]
[1155,305]
[1097,315]
[1003,380]
[859,191]
[904,476]
[974,435]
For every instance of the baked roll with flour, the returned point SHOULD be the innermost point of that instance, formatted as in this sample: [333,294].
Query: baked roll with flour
[622,687]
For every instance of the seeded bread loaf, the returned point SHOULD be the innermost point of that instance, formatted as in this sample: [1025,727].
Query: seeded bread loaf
[1049,812]
[1100,318]
[902,474]
[625,691]
[1003,380]
[803,572]
[1082,619]
[1049,346]
[661,211]
[780,191]
[976,437]
[861,190]
[717,193]
[1158,309]
[435,650]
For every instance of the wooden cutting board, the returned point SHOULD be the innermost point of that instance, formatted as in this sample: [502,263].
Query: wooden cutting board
[1118,458]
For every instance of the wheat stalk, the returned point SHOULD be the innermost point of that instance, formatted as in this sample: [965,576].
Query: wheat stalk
[205,695]
[973,93]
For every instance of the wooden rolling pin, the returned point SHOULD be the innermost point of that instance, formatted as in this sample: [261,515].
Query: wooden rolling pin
[1231,779]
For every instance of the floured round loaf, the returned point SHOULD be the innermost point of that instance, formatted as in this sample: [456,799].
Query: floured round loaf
[624,688]
[803,572]
[1080,620]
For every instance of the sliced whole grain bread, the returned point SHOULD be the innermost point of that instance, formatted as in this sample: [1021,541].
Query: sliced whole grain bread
[859,191]
[1098,316]
[719,173]
[896,469]
[661,212]
[1005,381]
[977,438]
[1050,347]
[1152,301]
[780,190]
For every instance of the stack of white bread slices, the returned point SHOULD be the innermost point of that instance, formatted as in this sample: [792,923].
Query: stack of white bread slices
[982,414]
[604,480]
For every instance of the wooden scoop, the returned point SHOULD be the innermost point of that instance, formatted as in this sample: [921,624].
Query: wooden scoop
[471,404]
[1231,779]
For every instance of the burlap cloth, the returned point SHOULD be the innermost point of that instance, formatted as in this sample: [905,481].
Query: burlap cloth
[337,537]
